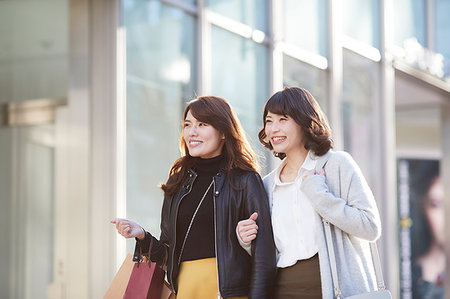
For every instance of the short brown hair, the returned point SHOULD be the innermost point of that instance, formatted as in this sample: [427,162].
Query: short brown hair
[300,105]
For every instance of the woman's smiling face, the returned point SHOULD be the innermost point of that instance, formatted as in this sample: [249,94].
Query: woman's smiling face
[284,134]
[202,139]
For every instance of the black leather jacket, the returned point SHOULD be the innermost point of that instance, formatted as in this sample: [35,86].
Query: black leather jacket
[239,273]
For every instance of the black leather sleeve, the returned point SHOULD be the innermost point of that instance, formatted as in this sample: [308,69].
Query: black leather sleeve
[263,247]
[159,248]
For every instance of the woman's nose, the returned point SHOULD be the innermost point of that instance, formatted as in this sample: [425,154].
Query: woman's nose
[193,131]
[274,127]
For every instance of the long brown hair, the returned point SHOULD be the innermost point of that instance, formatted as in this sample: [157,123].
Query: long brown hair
[237,152]
[301,106]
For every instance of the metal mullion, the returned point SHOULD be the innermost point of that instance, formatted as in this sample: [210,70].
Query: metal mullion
[276,53]
[203,50]
[335,65]
[188,8]
[360,48]
[386,174]
[238,28]
[430,17]
[305,56]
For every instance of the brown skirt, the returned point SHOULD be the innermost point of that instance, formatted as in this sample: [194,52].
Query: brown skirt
[301,280]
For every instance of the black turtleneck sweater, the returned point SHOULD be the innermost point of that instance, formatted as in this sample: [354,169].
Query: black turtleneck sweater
[200,242]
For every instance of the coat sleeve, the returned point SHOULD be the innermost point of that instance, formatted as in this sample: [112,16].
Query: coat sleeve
[263,247]
[158,248]
[355,212]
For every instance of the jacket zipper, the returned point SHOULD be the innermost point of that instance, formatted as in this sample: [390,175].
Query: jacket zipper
[215,239]
[175,232]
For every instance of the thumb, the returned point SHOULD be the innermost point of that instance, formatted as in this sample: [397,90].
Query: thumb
[254,216]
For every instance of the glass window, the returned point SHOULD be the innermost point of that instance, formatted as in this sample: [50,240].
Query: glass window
[297,73]
[189,1]
[249,12]
[409,21]
[239,74]
[362,21]
[360,99]
[33,64]
[160,78]
[305,24]
[33,50]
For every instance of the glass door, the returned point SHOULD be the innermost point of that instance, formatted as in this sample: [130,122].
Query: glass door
[33,80]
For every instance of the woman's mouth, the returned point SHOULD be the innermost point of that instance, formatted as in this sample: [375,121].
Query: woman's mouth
[194,143]
[278,139]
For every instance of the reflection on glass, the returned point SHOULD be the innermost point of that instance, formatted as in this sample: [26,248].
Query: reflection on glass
[360,97]
[305,24]
[297,73]
[427,230]
[33,50]
[249,12]
[362,21]
[160,78]
[239,74]
[409,21]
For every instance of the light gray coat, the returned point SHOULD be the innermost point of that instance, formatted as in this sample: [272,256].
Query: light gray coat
[343,198]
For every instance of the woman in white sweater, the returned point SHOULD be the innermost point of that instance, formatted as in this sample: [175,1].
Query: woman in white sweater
[311,183]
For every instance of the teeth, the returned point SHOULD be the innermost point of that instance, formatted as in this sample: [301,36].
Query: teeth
[278,138]
[195,142]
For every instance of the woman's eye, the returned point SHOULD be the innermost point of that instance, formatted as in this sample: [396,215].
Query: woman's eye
[186,125]
[202,125]
[268,121]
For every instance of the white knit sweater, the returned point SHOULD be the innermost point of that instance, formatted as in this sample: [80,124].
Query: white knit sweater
[344,199]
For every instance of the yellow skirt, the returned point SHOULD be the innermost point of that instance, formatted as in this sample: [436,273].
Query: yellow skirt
[198,280]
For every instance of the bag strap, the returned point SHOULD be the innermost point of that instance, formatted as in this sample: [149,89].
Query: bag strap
[332,258]
[377,266]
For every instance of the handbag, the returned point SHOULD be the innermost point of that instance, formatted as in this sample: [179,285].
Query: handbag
[381,293]
[146,282]
[138,280]
[120,281]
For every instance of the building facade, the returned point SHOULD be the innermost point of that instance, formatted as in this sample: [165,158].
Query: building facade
[92,93]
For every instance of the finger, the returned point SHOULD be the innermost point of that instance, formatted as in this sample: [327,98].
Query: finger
[252,232]
[254,216]
[245,223]
[246,228]
[249,239]
[322,172]
[251,227]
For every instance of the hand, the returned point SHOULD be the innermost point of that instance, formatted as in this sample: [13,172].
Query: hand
[307,173]
[248,229]
[129,228]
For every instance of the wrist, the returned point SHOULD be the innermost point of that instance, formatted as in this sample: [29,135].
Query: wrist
[141,235]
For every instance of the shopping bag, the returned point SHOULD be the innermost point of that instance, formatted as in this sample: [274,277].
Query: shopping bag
[119,283]
[146,282]
[167,292]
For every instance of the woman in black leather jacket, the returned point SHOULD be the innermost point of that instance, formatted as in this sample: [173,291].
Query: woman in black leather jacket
[211,188]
